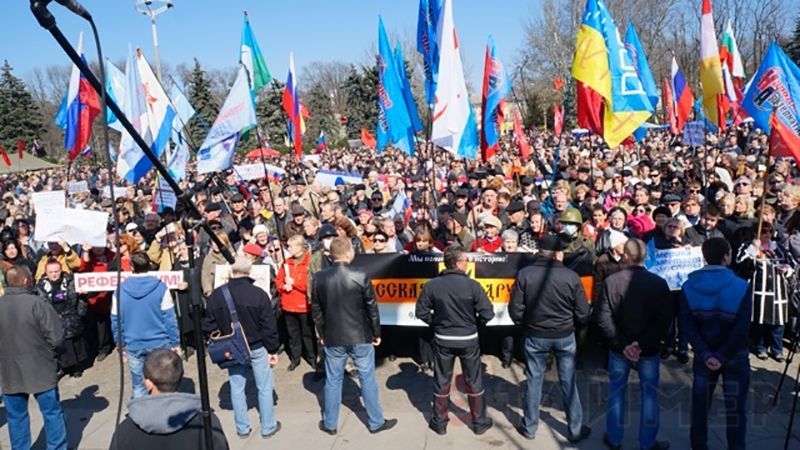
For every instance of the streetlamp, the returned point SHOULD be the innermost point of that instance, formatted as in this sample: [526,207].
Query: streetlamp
[153,8]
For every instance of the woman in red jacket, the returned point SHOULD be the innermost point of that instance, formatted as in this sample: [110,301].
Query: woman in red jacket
[292,286]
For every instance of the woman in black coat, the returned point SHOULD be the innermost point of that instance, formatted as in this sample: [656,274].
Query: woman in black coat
[58,288]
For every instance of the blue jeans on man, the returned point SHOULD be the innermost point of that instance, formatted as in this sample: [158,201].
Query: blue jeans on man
[536,351]
[735,384]
[19,425]
[363,356]
[136,367]
[262,374]
[619,368]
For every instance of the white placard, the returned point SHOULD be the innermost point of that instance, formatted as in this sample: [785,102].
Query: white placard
[164,197]
[107,281]
[77,187]
[75,226]
[675,265]
[48,200]
[259,273]
[249,172]
[119,192]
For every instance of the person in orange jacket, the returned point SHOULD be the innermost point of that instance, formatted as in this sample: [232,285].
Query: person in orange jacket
[292,286]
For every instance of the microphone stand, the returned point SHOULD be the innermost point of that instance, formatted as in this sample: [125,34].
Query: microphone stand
[48,22]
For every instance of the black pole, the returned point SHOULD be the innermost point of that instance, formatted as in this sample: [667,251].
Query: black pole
[192,277]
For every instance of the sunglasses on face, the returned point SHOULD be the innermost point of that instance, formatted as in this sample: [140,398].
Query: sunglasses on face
[381,240]
[273,250]
[216,227]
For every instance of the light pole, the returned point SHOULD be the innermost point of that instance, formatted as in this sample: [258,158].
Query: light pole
[151,9]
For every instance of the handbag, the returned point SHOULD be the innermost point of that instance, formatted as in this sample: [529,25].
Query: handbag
[230,349]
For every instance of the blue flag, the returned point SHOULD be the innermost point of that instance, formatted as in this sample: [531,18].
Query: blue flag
[495,90]
[427,22]
[408,95]
[776,86]
[635,50]
[394,122]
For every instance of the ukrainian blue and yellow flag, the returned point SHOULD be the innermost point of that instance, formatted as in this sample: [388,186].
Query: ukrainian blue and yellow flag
[603,63]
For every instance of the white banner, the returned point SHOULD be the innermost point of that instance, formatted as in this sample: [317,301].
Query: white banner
[256,171]
[77,187]
[75,226]
[119,192]
[48,200]
[329,178]
[402,314]
[107,281]
[259,273]
[675,265]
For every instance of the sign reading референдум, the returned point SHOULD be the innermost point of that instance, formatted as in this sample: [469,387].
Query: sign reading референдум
[107,281]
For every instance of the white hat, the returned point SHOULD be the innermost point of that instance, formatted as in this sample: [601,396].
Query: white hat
[258,229]
[131,226]
[616,238]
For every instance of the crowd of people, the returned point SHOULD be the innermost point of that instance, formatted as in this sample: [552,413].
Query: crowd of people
[574,196]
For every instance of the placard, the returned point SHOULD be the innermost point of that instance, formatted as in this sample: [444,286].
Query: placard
[249,172]
[48,200]
[119,192]
[74,226]
[77,187]
[675,265]
[107,281]
[259,273]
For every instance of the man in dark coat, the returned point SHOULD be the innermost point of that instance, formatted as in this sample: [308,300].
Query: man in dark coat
[30,332]
[346,316]
[166,418]
[634,311]
[454,304]
[548,301]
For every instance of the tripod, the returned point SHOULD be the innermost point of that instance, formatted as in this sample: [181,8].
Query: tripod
[789,359]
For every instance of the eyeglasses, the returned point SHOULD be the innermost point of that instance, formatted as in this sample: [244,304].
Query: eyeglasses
[273,250]
[216,227]
[380,240]
[694,191]
[742,184]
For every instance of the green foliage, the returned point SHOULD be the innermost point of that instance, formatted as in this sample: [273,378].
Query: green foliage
[362,100]
[320,106]
[20,117]
[201,97]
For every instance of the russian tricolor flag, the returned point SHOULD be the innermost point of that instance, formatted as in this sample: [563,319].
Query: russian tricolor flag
[78,110]
[292,107]
[682,96]
[322,143]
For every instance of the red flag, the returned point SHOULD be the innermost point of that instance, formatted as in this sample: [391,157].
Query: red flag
[4,154]
[783,141]
[590,109]
[367,139]
[20,148]
[558,119]
[669,107]
[520,138]
[558,83]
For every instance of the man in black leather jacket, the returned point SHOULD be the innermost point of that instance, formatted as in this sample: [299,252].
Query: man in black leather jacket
[453,304]
[346,315]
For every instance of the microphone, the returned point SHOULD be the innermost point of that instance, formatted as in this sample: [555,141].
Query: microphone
[76,8]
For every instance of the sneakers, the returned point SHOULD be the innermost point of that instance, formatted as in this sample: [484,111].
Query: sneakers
[388,424]
[585,432]
[762,356]
[326,430]
[779,357]
[524,433]
[244,435]
[274,432]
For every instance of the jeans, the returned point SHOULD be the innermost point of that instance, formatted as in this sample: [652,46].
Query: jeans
[262,373]
[536,351]
[769,337]
[444,360]
[19,426]
[363,356]
[619,368]
[735,384]
[136,367]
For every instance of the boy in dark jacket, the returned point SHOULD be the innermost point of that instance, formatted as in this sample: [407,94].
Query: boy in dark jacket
[715,311]
[166,418]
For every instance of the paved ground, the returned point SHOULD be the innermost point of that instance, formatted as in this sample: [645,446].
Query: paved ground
[91,404]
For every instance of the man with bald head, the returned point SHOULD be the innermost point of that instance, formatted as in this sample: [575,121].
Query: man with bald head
[634,312]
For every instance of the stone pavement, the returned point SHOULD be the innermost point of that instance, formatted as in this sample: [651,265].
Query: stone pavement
[91,403]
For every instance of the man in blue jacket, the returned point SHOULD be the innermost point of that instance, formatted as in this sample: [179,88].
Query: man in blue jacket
[146,315]
[715,311]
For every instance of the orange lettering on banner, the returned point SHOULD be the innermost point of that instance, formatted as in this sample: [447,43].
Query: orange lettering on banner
[407,290]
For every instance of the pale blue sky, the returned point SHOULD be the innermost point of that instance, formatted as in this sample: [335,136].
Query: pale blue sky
[316,30]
